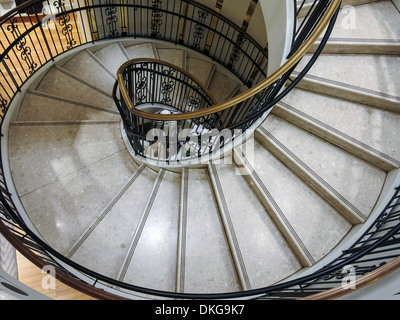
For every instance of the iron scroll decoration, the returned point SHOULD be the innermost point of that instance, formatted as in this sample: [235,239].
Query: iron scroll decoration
[24,50]
[64,21]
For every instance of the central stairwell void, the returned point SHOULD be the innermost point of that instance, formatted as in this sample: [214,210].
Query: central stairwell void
[160,150]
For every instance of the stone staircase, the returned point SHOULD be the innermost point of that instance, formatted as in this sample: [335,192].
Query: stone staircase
[316,170]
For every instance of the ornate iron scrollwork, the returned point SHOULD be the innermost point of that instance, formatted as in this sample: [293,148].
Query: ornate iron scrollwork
[193,103]
[209,122]
[156,18]
[236,51]
[25,51]
[141,85]
[3,104]
[67,28]
[167,85]
[112,19]
[199,29]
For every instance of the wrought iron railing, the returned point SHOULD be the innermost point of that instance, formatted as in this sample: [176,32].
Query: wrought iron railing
[158,87]
[39,31]
[27,44]
[227,121]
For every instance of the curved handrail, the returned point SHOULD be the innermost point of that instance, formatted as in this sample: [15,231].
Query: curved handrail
[359,284]
[286,67]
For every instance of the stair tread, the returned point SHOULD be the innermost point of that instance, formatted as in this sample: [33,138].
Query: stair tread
[64,208]
[368,22]
[310,218]
[86,68]
[62,85]
[363,71]
[41,107]
[110,238]
[201,69]
[112,56]
[174,56]
[257,236]
[375,127]
[363,182]
[222,87]
[41,154]
[208,262]
[143,50]
[153,263]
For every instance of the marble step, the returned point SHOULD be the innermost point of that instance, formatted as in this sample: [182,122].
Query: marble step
[201,69]
[175,56]
[61,83]
[360,46]
[223,88]
[357,75]
[43,152]
[141,50]
[350,92]
[152,255]
[41,107]
[108,236]
[300,214]
[307,4]
[369,133]
[323,167]
[365,21]
[262,255]
[359,30]
[182,232]
[64,208]
[112,57]
[87,67]
[373,73]
[205,262]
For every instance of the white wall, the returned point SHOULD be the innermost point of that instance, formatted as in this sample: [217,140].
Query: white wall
[272,23]
[279,20]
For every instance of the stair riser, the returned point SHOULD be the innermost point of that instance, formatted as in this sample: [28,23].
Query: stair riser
[349,93]
[254,181]
[353,47]
[337,138]
[310,178]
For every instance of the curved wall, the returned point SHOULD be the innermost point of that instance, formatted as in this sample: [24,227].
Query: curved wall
[279,21]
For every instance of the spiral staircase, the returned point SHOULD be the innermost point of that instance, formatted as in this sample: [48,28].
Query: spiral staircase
[313,174]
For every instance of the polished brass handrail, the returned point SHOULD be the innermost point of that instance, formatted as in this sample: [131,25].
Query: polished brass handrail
[288,65]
